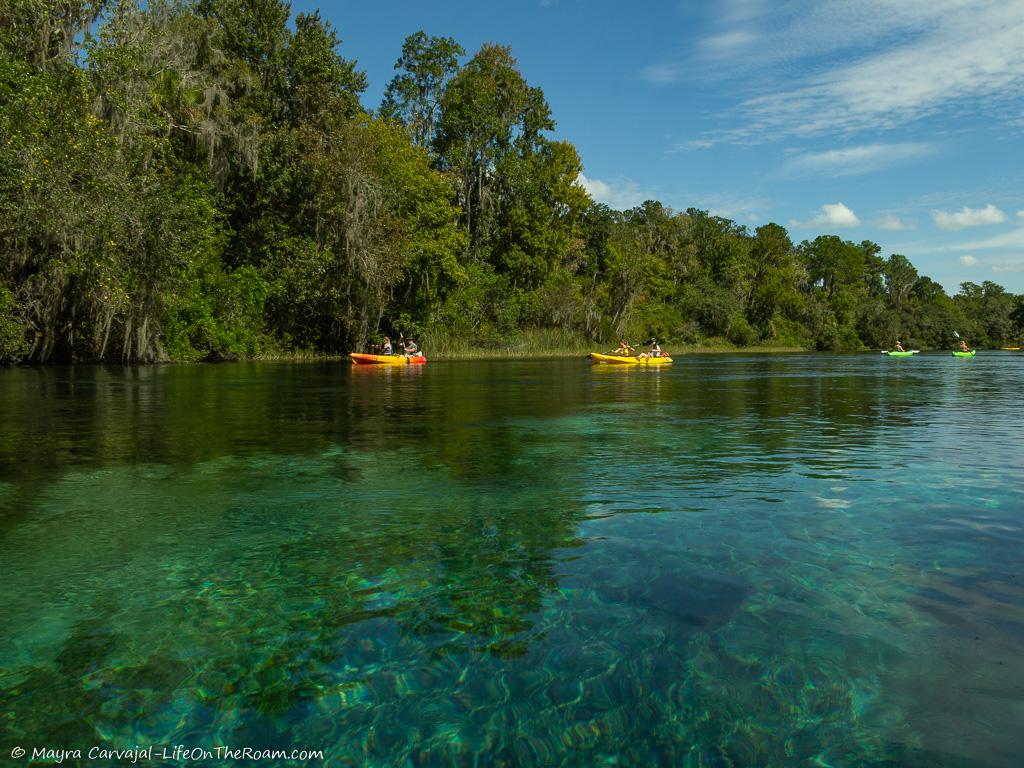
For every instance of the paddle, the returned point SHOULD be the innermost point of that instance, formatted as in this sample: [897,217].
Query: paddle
[898,351]
[630,351]
[958,336]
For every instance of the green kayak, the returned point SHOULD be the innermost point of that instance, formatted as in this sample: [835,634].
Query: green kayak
[900,354]
[965,354]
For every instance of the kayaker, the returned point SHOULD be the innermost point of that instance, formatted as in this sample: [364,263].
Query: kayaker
[653,351]
[963,346]
[625,348]
[411,350]
[386,349]
[899,347]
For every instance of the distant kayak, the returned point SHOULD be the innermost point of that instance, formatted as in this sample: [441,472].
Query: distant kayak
[597,357]
[965,354]
[894,353]
[1010,349]
[358,358]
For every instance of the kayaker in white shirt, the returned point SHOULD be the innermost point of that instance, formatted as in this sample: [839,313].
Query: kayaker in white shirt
[654,351]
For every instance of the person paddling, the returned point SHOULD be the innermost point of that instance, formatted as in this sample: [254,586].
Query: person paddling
[963,346]
[625,348]
[411,350]
[653,351]
[899,347]
[386,349]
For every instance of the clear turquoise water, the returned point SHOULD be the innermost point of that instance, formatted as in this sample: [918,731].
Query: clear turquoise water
[741,561]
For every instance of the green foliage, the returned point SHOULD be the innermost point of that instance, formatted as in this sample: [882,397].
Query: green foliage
[197,179]
[220,316]
[990,314]
[484,307]
[13,344]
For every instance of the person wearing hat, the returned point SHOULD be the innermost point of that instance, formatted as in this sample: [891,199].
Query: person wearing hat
[410,348]
[653,351]
[899,347]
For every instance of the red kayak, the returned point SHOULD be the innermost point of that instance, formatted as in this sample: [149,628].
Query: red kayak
[359,358]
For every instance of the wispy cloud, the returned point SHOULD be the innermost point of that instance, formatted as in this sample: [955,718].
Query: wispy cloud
[832,215]
[1014,239]
[859,65]
[892,223]
[1011,241]
[621,194]
[1009,266]
[968,217]
[739,11]
[660,73]
[854,161]
[1020,215]
[968,260]
[731,42]
[745,209]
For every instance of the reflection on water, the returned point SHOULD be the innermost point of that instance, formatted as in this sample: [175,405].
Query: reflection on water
[741,560]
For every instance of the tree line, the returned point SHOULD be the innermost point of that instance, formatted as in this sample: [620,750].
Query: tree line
[199,179]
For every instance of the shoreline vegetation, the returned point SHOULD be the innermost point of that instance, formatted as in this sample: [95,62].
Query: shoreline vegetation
[201,180]
[523,353]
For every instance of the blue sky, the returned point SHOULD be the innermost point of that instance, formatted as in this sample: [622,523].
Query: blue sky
[898,121]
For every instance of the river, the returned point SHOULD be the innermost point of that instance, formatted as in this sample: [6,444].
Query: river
[744,560]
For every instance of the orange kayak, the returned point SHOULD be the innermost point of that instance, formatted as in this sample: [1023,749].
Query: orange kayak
[359,358]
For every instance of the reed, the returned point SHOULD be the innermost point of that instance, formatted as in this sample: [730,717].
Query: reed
[557,343]
[531,343]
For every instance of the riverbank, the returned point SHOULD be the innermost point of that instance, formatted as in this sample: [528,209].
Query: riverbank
[525,351]
[545,343]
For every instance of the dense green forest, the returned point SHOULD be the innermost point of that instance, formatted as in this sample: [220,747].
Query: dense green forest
[200,179]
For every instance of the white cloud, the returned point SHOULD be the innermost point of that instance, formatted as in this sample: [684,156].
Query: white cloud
[968,261]
[660,73]
[730,206]
[861,65]
[728,43]
[968,217]
[892,223]
[696,144]
[1006,241]
[1020,215]
[743,10]
[832,215]
[1009,266]
[853,161]
[620,195]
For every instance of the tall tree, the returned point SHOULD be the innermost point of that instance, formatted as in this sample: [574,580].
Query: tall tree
[775,296]
[414,96]
[488,112]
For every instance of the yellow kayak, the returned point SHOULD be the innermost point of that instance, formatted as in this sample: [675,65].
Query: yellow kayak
[358,358]
[597,357]
[1011,349]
